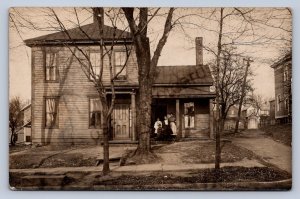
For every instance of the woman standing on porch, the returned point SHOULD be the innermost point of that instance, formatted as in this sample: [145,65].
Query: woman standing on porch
[172,124]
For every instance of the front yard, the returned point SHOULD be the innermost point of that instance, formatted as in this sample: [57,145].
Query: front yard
[76,156]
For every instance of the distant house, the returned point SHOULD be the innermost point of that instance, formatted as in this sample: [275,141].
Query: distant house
[251,115]
[65,107]
[264,115]
[232,115]
[283,91]
[27,124]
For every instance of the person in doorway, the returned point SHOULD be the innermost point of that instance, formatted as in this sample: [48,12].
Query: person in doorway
[173,127]
[157,126]
[166,122]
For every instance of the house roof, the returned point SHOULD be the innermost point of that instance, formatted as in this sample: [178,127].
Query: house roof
[26,107]
[183,75]
[283,60]
[89,32]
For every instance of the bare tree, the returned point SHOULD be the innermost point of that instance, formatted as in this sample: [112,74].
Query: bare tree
[225,41]
[146,70]
[15,118]
[243,94]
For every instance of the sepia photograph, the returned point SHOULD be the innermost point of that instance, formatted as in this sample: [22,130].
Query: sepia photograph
[150,98]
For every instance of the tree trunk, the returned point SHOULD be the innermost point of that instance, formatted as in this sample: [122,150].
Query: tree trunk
[105,130]
[105,169]
[242,98]
[144,120]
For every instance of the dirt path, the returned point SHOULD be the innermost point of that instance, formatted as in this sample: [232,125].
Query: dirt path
[272,152]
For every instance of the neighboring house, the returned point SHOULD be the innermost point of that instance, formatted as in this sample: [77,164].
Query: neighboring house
[264,115]
[27,124]
[232,115]
[272,112]
[251,115]
[283,91]
[64,103]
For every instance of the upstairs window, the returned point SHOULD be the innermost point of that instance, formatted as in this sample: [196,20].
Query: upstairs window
[286,104]
[51,66]
[95,59]
[278,102]
[95,113]
[51,112]
[285,73]
[189,115]
[120,60]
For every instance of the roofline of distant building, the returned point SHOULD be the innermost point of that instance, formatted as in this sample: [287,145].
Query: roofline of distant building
[286,58]
[70,42]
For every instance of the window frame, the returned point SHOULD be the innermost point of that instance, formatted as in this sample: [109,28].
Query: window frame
[56,124]
[125,68]
[278,102]
[285,73]
[89,113]
[89,53]
[55,52]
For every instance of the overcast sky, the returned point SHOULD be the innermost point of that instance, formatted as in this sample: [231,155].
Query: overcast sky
[179,50]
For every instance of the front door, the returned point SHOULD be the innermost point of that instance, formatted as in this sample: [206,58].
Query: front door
[121,121]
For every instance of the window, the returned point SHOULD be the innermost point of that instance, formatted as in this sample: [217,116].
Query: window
[189,115]
[120,60]
[51,107]
[95,113]
[285,73]
[95,59]
[278,102]
[51,66]
[286,104]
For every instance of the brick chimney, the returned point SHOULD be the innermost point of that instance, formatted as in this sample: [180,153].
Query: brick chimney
[199,50]
[98,15]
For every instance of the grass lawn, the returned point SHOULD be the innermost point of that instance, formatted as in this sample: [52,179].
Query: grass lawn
[203,152]
[281,133]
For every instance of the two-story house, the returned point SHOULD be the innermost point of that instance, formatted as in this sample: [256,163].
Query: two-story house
[283,89]
[65,105]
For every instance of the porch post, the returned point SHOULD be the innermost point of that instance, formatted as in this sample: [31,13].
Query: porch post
[133,115]
[178,118]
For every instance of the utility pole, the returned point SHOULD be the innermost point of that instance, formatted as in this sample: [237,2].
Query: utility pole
[248,60]
[218,133]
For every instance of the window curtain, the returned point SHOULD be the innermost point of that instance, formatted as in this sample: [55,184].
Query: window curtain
[50,112]
[51,66]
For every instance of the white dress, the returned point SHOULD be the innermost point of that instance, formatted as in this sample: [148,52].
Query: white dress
[173,128]
[157,124]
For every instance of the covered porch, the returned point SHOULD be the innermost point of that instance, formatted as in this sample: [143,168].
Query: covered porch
[193,113]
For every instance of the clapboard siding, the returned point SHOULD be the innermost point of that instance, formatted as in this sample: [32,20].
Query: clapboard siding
[73,91]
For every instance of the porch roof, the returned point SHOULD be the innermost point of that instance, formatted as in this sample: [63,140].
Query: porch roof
[182,92]
[183,75]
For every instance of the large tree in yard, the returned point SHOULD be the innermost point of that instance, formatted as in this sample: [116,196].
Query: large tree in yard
[146,70]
